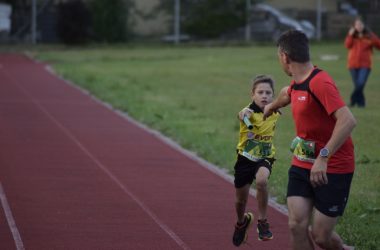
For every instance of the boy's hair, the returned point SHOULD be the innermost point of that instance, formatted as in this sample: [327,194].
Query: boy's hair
[262,79]
[295,44]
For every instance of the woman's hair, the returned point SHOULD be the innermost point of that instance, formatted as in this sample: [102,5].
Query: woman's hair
[295,44]
[366,30]
[262,79]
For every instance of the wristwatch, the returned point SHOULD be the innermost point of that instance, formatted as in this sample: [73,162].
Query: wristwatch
[324,152]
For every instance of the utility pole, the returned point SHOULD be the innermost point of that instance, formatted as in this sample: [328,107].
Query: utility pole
[319,20]
[177,25]
[247,20]
[33,22]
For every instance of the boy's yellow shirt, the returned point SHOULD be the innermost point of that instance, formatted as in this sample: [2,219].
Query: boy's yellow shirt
[257,143]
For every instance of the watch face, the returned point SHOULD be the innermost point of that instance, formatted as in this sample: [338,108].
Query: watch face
[324,152]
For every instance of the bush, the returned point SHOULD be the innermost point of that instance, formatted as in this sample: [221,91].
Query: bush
[73,22]
[212,18]
[109,19]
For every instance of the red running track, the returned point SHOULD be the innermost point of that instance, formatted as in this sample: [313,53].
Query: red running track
[77,175]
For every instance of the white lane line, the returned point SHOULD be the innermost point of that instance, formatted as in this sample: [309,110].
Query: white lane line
[161,224]
[11,222]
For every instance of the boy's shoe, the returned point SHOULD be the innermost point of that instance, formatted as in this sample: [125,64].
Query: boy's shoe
[263,230]
[241,231]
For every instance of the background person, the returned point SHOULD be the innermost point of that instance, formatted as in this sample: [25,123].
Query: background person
[360,42]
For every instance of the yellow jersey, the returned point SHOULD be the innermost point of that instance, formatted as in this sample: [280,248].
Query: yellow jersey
[257,144]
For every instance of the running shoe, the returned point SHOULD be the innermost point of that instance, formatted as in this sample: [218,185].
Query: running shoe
[263,230]
[241,231]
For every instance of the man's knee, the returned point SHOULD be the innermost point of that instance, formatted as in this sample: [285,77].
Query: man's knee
[321,239]
[297,226]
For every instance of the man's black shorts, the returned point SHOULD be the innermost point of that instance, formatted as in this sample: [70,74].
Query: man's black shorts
[245,169]
[329,199]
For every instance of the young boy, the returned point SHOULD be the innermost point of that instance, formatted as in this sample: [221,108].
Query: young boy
[255,158]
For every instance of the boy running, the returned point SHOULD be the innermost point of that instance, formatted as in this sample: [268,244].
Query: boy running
[254,161]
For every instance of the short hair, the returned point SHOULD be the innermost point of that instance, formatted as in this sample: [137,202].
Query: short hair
[262,79]
[295,44]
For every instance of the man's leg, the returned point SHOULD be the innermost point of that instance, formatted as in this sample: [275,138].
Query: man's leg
[300,210]
[323,232]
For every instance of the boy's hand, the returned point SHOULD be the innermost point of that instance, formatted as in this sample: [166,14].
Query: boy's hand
[245,112]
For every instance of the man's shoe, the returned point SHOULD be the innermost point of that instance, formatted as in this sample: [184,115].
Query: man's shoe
[263,230]
[241,231]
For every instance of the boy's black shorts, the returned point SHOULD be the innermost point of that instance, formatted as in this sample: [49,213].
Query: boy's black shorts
[329,199]
[245,170]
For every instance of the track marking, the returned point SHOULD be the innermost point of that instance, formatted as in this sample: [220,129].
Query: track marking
[161,224]
[11,222]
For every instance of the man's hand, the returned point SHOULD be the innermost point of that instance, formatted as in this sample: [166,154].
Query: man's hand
[268,111]
[245,112]
[318,176]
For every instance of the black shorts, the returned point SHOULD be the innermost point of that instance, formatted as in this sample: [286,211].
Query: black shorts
[329,199]
[245,170]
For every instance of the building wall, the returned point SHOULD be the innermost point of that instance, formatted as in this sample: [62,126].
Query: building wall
[327,5]
[155,25]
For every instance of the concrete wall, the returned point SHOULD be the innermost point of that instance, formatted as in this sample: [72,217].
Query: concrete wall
[157,24]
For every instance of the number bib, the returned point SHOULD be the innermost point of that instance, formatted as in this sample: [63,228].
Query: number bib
[303,150]
[256,150]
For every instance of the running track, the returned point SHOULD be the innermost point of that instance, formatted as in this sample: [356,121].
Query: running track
[75,174]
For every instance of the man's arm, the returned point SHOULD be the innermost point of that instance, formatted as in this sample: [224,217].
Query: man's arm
[345,123]
[282,100]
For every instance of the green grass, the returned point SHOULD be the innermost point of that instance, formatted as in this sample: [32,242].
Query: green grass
[193,94]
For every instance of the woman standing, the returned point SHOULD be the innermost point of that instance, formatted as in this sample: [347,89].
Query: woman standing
[360,42]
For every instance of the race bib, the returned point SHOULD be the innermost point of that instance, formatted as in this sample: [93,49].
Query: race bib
[256,150]
[303,150]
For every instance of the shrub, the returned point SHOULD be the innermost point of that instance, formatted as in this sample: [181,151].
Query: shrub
[73,22]
[109,19]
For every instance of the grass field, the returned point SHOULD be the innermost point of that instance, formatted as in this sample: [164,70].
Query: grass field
[192,94]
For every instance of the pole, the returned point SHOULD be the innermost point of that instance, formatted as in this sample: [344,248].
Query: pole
[33,22]
[319,20]
[248,24]
[177,27]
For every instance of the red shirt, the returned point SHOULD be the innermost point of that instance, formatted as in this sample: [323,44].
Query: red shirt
[360,50]
[316,123]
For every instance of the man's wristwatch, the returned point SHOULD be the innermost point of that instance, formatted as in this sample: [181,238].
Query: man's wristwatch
[324,152]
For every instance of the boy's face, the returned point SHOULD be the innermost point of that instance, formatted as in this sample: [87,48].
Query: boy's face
[262,95]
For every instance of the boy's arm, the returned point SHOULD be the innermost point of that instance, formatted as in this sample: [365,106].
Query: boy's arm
[282,100]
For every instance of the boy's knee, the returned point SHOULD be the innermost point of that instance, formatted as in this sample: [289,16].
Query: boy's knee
[261,183]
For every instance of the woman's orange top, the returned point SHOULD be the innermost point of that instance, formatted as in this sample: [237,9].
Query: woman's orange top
[360,50]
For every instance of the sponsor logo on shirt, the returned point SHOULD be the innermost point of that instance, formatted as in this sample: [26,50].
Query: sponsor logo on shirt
[302,98]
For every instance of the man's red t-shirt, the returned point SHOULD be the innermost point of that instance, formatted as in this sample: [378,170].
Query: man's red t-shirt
[316,123]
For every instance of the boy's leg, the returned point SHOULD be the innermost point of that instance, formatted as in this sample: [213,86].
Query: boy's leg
[244,220]
[300,210]
[262,176]
[241,202]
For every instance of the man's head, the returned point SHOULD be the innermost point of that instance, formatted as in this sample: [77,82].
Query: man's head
[293,47]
